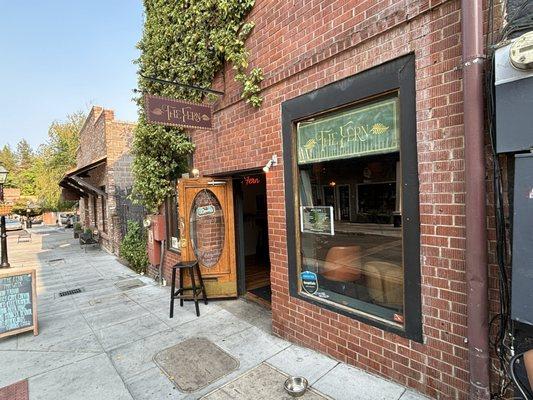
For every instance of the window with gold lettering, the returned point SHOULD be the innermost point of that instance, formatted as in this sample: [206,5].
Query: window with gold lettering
[350,211]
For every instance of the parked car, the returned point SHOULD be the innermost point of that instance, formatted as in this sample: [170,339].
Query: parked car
[66,220]
[13,225]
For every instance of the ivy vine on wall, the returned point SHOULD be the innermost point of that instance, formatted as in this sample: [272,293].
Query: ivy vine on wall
[185,41]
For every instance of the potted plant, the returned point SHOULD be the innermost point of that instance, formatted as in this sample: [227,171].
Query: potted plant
[77,230]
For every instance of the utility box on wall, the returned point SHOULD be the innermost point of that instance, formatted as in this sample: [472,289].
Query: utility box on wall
[522,280]
[158,223]
[514,104]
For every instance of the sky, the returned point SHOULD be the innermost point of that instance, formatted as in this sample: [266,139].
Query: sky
[62,56]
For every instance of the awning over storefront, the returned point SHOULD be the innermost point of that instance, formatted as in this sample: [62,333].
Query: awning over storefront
[75,186]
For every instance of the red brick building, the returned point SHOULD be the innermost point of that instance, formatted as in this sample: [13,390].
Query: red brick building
[102,175]
[359,227]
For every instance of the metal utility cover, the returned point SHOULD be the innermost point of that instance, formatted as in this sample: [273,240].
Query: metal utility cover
[263,382]
[195,363]
[130,284]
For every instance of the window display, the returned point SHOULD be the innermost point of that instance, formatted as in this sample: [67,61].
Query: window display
[349,201]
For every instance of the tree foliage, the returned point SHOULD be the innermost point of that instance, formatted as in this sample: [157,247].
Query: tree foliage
[133,247]
[55,158]
[185,41]
[37,173]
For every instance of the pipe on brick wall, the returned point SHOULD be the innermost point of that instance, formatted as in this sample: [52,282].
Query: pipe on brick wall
[476,226]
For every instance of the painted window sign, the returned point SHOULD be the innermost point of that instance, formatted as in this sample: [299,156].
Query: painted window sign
[364,130]
[317,220]
[203,211]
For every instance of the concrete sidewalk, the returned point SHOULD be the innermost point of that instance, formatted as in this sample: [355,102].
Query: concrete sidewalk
[101,343]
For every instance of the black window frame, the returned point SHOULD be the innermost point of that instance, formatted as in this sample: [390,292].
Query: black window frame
[398,76]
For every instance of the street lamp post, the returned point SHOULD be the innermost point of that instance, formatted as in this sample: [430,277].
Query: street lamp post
[3,234]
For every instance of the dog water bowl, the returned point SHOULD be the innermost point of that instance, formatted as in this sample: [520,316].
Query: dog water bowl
[296,386]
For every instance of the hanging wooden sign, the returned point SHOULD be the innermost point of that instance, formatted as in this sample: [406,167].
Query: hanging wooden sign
[174,112]
[18,302]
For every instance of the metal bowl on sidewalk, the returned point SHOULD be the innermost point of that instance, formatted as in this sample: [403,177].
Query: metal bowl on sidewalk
[296,386]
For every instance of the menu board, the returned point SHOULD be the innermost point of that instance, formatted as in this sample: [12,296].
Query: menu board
[18,305]
[317,220]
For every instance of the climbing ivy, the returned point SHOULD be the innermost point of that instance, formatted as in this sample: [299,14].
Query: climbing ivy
[185,41]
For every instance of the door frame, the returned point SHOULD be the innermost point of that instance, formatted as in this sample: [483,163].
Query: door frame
[238,209]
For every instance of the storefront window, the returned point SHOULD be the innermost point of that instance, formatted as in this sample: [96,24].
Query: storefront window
[173,229]
[350,209]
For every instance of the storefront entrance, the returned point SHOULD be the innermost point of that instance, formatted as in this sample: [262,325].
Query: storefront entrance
[208,233]
[252,236]
[224,226]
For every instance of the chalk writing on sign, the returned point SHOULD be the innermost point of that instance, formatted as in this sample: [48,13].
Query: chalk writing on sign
[16,307]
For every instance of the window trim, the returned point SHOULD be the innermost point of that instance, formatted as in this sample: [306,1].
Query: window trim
[398,76]
[168,219]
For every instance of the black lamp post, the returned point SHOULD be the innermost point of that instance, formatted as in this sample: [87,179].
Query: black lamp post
[3,235]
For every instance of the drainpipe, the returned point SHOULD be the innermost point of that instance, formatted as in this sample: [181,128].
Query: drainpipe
[476,228]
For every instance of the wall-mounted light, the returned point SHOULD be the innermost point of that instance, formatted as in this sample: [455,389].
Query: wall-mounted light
[195,173]
[271,163]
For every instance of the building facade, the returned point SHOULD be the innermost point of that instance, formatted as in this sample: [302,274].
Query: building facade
[102,178]
[341,200]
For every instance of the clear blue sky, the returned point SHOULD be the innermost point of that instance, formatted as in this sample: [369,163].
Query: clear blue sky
[60,56]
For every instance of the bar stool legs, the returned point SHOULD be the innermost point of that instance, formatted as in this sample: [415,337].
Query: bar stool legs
[191,266]
[193,283]
[172,295]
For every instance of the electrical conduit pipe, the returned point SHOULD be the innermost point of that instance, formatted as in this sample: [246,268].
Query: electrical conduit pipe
[476,228]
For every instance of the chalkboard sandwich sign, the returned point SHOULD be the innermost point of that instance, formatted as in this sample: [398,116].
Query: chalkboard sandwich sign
[18,302]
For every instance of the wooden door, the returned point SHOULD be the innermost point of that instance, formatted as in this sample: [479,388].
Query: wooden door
[207,234]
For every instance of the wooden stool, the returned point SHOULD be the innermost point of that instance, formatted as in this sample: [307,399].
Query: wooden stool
[190,266]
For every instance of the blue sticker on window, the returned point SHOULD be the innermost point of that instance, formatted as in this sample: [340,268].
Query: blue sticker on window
[309,282]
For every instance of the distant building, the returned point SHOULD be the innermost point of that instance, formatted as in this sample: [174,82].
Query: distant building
[102,178]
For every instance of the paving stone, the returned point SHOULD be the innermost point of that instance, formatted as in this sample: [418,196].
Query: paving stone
[215,326]
[153,384]
[130,331]
[137,357]
[99,319]
[92,378]
[252,346]
[24,364]
[347,383]
[187,313]
[263,382]
[298,361]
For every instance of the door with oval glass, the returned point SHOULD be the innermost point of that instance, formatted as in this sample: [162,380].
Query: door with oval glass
[205,207]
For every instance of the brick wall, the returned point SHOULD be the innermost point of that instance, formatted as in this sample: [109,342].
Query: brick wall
[103,136]
[302,46]
[92,137]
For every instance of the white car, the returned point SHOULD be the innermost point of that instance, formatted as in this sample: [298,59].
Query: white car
[13,225]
